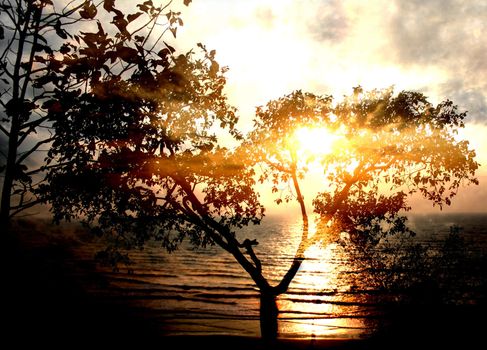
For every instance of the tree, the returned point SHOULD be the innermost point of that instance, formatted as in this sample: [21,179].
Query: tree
[387,148]
[35,34]
[141,158]
[26,59]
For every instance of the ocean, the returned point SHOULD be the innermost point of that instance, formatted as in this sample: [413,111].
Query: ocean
[205,292]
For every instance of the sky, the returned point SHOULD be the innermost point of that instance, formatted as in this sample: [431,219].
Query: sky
[330,46]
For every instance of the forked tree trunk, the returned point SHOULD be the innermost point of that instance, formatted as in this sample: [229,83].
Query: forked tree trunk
[268,316]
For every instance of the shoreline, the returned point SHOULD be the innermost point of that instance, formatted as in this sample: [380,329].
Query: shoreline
[47,301]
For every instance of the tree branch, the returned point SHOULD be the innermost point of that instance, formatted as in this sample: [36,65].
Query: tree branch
[4,131]
[33,149]
[303,244]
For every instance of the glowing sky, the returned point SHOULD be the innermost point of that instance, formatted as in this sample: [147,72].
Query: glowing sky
[329,46]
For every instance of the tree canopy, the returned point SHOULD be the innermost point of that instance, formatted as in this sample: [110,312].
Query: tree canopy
[43,44]
[141,158]
[386,148]
[139,154]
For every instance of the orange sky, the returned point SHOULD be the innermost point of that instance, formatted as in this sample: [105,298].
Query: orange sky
[329,46]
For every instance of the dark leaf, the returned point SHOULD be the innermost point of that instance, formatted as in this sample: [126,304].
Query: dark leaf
[173,31]
[65,49]
[40,59]
[121,23]
[45,48]
[187,2]
[109,5]
[133,17]
[164,53]
[88,11]
[59,30]
[143,8]
[52,106]
[127,54]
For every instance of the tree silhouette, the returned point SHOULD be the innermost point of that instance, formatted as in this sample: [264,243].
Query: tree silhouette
[34,34]
[388,148]
[140,157]
[27,58]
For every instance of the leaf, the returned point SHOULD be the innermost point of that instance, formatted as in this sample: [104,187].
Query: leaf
[143,8]
[133,17]
[89,10]
[64,49]
[164,53]
[127,54]
[45,48]
[173,31]
[39,59]
[187,2]
[214,68]
[59,30]
[121,23]
[109,5]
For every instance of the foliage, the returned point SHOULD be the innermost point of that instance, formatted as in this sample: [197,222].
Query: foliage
[37,58]
[26,29]
[394,146]
[139,154]
[272,139]
[389,148]
[136,137]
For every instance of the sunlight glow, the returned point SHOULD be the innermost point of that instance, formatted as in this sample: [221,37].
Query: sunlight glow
[315,141]
[319,286]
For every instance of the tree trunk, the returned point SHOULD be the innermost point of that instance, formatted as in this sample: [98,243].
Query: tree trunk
[268,316]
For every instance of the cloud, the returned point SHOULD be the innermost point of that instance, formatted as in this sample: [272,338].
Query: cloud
[472,100]
[330,23]
[447,35]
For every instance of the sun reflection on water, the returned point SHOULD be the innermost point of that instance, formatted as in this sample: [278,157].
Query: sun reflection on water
[315,306]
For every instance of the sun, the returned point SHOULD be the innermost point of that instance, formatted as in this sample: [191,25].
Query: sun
[315,141]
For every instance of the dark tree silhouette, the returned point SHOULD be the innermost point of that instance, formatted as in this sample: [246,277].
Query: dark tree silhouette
[27,30]
[388,148]
[138,144]
[34,34]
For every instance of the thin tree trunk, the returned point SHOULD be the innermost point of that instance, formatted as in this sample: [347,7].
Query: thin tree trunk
[268,316]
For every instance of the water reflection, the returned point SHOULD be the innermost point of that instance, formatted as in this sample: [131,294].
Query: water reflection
[316,305]
[342,291]
[338,293]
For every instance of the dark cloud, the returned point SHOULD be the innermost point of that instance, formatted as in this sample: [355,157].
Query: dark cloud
[424,31]
[330,23]
[437,30]
[449,35]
